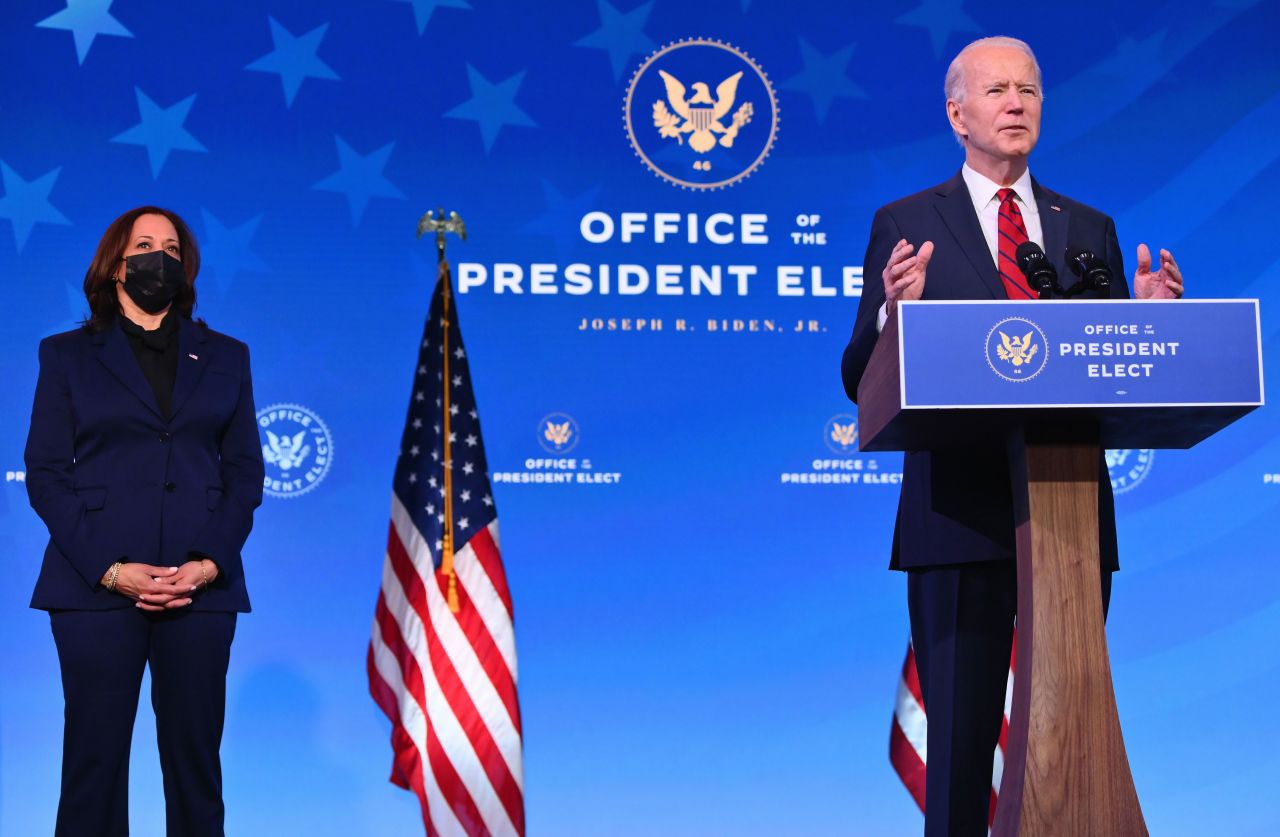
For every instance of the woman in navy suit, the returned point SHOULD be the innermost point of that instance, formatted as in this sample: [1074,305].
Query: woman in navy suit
[143,460]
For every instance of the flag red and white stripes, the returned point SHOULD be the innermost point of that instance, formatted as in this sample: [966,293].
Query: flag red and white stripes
[442,658]
[908,735]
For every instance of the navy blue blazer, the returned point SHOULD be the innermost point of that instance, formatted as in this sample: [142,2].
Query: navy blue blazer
[114,481]
[956,505]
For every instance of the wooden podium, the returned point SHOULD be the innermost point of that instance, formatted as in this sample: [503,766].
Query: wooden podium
[1065,767]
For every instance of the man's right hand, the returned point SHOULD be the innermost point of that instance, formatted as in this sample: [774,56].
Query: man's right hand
[904,274]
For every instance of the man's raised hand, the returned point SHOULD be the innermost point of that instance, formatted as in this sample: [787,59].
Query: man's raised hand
[904,274]
[1164,283]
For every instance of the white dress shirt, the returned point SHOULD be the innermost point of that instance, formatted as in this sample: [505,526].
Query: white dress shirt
[982,190]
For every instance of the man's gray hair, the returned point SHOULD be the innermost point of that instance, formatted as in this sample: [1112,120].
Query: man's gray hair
[953,86]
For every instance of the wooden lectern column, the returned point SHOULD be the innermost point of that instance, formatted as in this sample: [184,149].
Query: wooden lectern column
[1065,769]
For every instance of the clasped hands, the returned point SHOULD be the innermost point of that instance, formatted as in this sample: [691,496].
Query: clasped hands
[164,588]
[905,273]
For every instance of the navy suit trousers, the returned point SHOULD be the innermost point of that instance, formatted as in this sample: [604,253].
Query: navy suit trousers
[962,628]
[102,654]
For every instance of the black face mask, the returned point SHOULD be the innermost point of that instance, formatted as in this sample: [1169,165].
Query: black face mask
[153,279]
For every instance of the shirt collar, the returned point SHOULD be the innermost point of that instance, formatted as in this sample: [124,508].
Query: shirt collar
[982,189]
[158,338]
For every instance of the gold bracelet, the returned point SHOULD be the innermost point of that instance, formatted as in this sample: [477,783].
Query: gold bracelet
[204,576]
[115,575]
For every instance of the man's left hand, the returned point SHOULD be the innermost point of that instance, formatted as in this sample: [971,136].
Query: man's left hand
[1165,283]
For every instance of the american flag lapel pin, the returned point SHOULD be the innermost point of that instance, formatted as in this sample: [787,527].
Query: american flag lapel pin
[193,357]
[1055,208]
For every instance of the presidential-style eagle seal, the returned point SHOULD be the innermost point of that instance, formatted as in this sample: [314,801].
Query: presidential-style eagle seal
[558,433]
[841,434]
[1017,349]
[297,449]
[1128,466]
[693,137]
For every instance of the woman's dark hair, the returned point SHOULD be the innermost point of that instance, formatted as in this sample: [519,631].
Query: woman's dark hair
[99,286]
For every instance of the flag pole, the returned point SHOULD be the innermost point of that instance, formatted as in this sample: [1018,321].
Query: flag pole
[439,225]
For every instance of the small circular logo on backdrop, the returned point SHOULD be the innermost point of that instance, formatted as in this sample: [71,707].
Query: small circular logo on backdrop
[701,114]
[558,433]
[1017,349]
[1128,466]
[297,449]
[841,434]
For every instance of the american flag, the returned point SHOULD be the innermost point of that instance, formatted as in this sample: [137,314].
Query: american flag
[908,735]
[442,659]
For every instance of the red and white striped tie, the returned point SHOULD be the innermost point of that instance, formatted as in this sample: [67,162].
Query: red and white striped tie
[1011,232]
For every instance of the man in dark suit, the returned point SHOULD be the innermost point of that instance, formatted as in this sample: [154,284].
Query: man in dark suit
[954,534]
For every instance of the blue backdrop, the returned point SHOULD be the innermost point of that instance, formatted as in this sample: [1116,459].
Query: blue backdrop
[709,641]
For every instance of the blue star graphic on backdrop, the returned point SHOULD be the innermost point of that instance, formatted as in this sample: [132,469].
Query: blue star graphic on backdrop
[422,9]
[620,35]
[823,78]
[26,204]
[492,105]
[86,20]
[360,178]
[941,18]
[160,130]
[561,220]
[294,58]
[226,249]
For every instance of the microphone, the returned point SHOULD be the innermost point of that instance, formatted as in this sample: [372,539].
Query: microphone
[1093,271]
[1041,274]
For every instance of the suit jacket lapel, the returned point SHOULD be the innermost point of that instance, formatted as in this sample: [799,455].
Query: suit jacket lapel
[956,208]
[115,354]
[191,362]
[1054,220]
